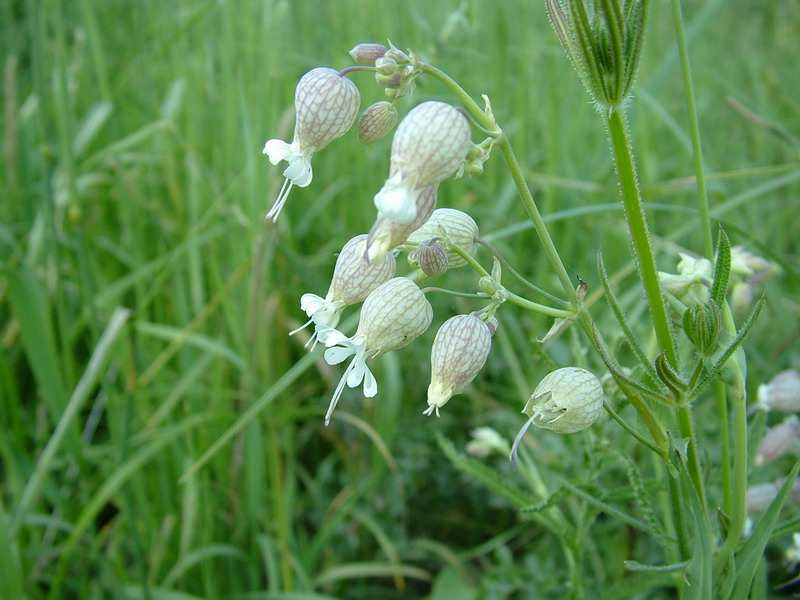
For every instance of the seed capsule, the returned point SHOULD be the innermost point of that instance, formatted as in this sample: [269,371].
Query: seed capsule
[459,351]
[354,277]
[779,441]
[386,234]
[567,400]
[393,315]
[782,393]
[326,105]
[702,324]
[431,258]
[428,147]
[455,227]
[376,121]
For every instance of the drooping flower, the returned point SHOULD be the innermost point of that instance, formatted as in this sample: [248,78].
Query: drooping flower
[354,277]
[567,400]
[451,225]
[387,234]
[429,146]
[326,104]
[779,440]
[459,351]
[782,393]
[393,315]
[691,283]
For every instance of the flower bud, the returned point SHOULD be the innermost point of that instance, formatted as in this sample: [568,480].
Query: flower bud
[454,227]
[779,440]
[459,351]
[391,83]
[393,315]
[782,393]
[376,121]
[354,277]
[428,147]
[367,54]
[702,324]
[386,66]
[397,55]
[326,105]
[430,257]
[386,234]
[668,375]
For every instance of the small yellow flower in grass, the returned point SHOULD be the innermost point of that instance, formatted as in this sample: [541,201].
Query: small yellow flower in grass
[429,146]
[567,400]
[450,225]
[387,234]
[459,351]
[326,104]
[354,277]
[393,316]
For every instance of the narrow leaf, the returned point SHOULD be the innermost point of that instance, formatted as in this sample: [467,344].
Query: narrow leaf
[588,50]
[722,268]
[699,570]
[632,565]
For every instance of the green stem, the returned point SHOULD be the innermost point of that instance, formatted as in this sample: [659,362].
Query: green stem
[722,410]
[678,518]
[694,129]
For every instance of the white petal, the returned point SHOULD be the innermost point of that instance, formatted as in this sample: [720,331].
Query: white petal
[334,356]
[277,150]
[311,303]
[299,171]
[398,203]
[370,384]
[355,376]
[333,337]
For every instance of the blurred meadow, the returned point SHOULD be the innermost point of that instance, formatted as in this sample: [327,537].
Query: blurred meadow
[196,464]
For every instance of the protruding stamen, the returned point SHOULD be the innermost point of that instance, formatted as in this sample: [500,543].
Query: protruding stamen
[280,202]
[520,435]
[339,390]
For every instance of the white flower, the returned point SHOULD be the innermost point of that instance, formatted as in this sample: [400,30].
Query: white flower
[459,351]
[779,440]
[387,234]
[782,393]
[453,226]
[567,400]
[393,315]
[745,263]
[354,277]
[326,105]
[691,284]
[761,495]
[429,146]
[486,440]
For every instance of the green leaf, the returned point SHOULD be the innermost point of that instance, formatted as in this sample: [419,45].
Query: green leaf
[732,347]
[450,586]
[699,576]
[612,14]
[635,21]
[748,557]
[722,268]
[632,565]
[588,50]
[363,570]
[544,504]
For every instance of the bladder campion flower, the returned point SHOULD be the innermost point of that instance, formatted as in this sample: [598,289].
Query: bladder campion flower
[429,146]
[782,393]
[326,104]
[387,234]
[393,315]
[354,277]
[691,283]
[453,226]
[459,351]
[567,400]
[779,440]
[376,121]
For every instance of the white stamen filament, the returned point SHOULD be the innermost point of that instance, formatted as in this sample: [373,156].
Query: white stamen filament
[280,202]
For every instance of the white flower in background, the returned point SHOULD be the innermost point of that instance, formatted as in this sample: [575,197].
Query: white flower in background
[387,234]
[793,551]
[459,351]
[745,263]
[691,283]
[354,277]
[326,104]
[782,393]
[779,440]
[450,225]
[567,400]
[761,495]
[429,146]
[486,440]
[392,316]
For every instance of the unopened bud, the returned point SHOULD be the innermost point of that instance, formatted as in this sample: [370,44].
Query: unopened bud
[567,400]
[376,121]
[430,257]
[669,376]
[386,66]
[390,82]
[702,324]
[397,55]
[782,393]
[779,441]
[459,351]
[454,227]
[367,54]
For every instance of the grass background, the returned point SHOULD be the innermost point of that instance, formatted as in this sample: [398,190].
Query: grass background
[133,177]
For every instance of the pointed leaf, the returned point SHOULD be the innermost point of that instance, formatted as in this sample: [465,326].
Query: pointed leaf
[699,571]
[722,268]
[588,50]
